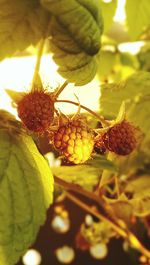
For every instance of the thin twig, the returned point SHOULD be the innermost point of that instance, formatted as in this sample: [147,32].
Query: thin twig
[123,232]
[76,188]
[38,61]
[60,89]
[100,118]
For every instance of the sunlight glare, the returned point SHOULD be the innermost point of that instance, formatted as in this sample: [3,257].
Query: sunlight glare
[16,74]
[120,15]
[32,257]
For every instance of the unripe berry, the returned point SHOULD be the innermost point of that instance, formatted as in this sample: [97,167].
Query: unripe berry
[121,138]
[75,141]
[36,110]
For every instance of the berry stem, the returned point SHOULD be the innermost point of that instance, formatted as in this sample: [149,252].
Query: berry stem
[100,118]
[38,62]
[60,89]
[77,189]
[122,231]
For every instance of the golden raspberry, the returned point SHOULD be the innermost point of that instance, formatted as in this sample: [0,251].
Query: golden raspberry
[121,138]
[36,110]
[75,141]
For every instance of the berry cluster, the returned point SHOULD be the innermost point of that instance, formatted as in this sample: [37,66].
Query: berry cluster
[73,139]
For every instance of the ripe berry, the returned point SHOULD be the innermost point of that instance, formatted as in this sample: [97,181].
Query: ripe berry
[75,141]
[121,138]
[36,110]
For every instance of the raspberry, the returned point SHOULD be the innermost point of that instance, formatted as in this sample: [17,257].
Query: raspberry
[75,141]
[121,138]
[36,110]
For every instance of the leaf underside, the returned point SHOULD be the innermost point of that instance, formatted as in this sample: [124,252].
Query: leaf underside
[22,23]
[76,29]
[26,189]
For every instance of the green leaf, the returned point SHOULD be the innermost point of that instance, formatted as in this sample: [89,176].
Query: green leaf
[22,23]
[128,59]
[108,11]
[106,62]
[138,13]
[15,95]
[139,190]
[144,57]
[26,187]
[87,176]
[100,161]
[75,45]
[84,27]
[129,91]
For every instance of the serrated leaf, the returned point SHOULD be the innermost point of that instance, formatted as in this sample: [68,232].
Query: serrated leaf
[129,91]
[139,190]
[108,11]
[26,187]
[87,176]
[21,23]
[83,28]
[138,13]
[74,65]
[75,44]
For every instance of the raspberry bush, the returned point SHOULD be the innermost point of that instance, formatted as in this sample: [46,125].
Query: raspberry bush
[101,160]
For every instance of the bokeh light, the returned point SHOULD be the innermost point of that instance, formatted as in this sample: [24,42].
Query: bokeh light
[65,254]
[99,251]
[60,224]
[32,257]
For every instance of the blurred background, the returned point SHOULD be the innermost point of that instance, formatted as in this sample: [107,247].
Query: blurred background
[59,240]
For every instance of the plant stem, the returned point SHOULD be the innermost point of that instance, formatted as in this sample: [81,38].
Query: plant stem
[38,62]
[94,212]
[60,89]
[100,118]
[123,232]
[76,188]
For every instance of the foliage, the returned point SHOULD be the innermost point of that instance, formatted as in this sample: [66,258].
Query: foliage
[108,11]
[22,23]
[87,176]
[137,17]
[26,187]
[79,35]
